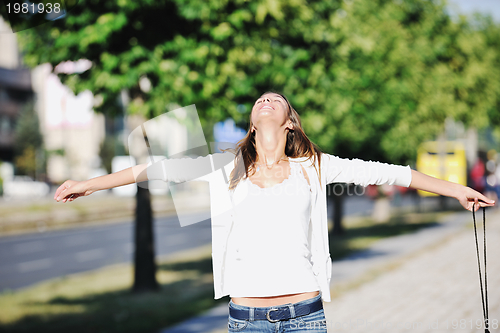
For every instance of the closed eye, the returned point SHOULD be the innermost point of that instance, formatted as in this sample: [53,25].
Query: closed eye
[274,100]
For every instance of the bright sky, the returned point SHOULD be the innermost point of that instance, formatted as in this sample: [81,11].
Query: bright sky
[482,6]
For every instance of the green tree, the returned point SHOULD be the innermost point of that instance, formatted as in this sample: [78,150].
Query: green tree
[29,152]
[110,147]
[362,73]
[370,78]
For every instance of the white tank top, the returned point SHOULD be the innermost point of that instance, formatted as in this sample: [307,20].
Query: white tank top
[268,252]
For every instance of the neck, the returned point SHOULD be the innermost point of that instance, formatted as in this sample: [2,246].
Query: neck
[270,145]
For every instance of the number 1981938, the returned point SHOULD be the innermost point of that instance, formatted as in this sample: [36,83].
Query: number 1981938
[32,8]
[478,324]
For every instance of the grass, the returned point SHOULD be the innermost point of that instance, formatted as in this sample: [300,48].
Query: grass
[361,232]
[101,301]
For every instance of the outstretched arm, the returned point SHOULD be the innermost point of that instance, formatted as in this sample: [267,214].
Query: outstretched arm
[465,195]
[175,170]
[70,189]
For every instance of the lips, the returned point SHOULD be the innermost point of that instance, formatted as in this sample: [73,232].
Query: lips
[267,107]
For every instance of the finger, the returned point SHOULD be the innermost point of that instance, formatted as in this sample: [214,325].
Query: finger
[68,198]
[59,190]
[63,195]
[485,199]
[485,204]
[64,186]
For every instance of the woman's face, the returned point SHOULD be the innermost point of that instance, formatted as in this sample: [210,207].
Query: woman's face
[270,107]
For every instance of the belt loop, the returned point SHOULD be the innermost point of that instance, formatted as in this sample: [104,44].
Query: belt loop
[292,310]
[251,314]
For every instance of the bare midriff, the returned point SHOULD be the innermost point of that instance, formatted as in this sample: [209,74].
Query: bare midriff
[273,300]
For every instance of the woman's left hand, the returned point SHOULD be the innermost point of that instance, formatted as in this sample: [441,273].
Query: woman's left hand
[469,198]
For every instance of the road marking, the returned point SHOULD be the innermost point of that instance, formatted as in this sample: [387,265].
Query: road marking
[35,265]
[89,255]
[29,247]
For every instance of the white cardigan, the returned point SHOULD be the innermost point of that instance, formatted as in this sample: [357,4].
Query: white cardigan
[333,170]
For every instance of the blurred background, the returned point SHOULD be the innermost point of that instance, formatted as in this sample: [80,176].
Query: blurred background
[412,82]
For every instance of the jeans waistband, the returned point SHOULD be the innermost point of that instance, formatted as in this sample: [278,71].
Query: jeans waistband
[276,312]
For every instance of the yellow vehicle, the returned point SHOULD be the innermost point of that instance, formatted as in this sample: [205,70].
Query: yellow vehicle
[444,160]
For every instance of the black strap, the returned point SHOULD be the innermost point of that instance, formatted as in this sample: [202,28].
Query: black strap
[484,296]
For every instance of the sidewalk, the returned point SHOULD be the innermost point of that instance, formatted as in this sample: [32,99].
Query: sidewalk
[432,290]
[426,281]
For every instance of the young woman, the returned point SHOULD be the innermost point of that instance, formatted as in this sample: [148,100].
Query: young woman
[270,246]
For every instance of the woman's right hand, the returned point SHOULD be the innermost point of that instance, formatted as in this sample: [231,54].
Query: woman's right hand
[71,189]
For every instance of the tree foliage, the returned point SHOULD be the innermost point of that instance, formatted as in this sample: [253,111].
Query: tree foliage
[370,78]
[30,155]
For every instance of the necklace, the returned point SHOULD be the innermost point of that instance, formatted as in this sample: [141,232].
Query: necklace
[270,166]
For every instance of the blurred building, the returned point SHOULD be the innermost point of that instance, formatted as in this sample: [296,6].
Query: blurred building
[72,131]
[15,91]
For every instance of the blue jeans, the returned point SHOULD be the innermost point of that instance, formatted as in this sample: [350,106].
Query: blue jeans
[313,322]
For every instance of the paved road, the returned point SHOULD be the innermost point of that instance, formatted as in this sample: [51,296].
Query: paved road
[27,259]
[31,258]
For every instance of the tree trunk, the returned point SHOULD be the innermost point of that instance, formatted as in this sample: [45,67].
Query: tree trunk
[338,203]
[144,257]
[335,197]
